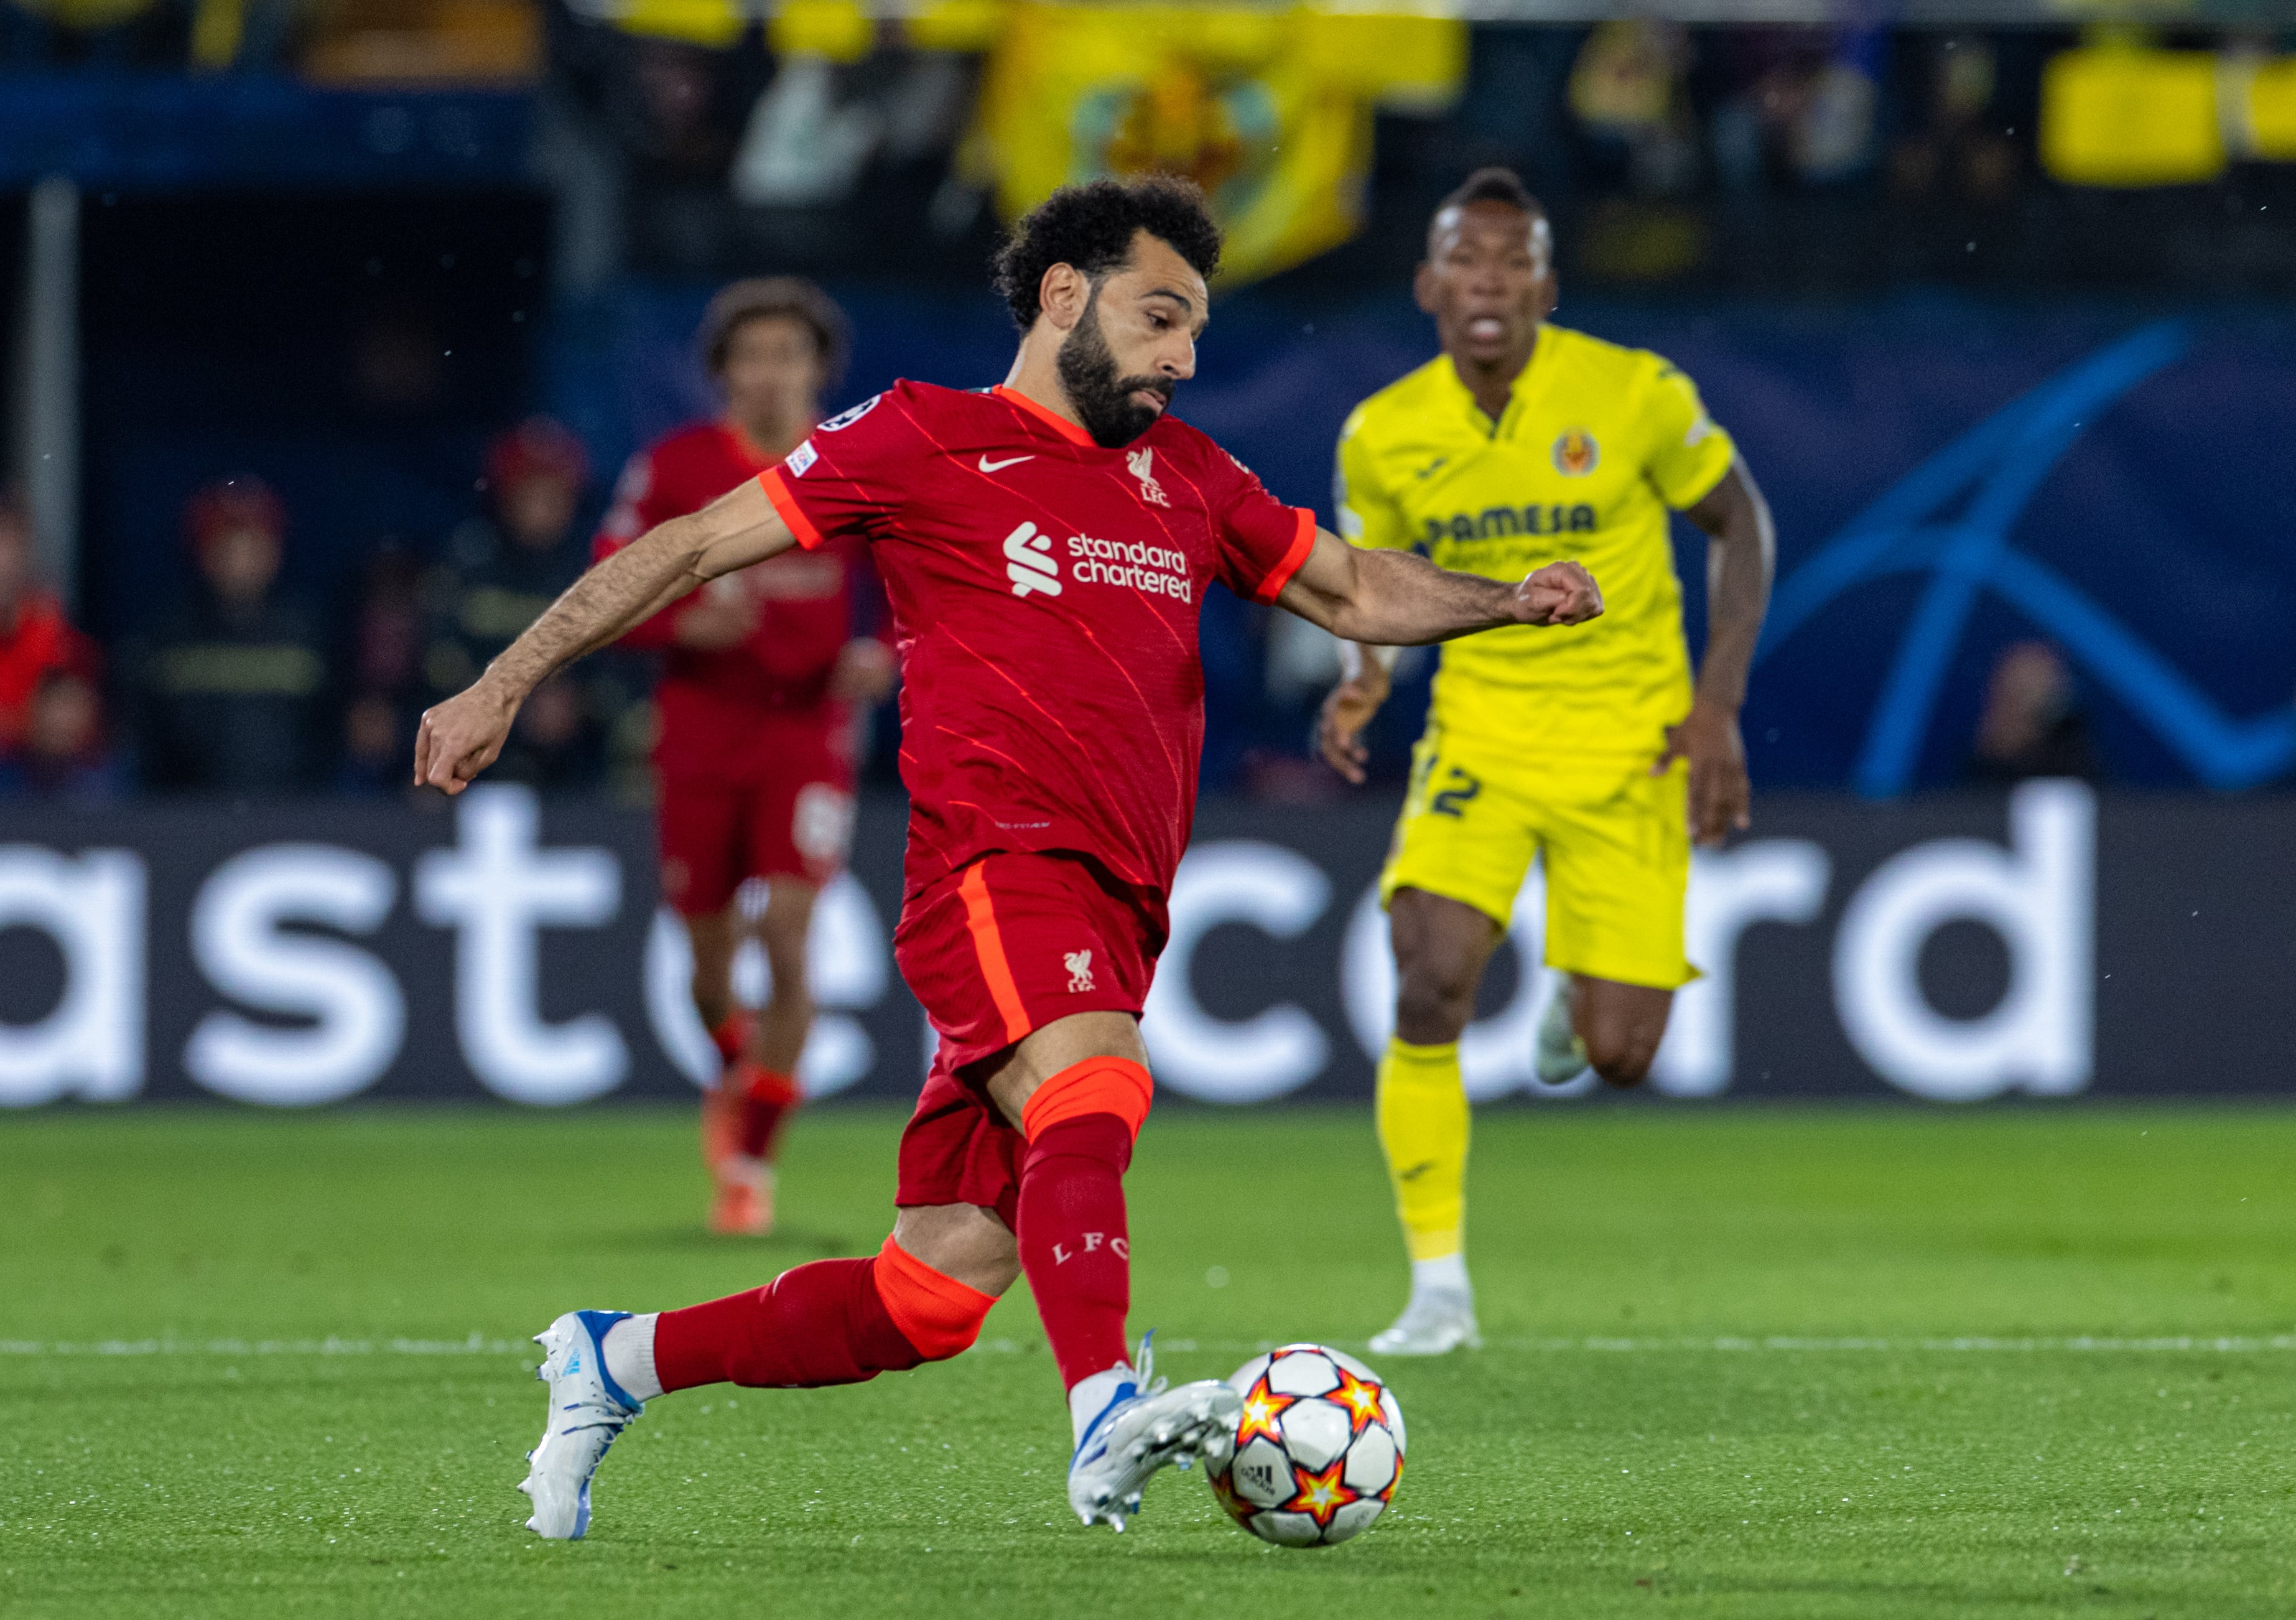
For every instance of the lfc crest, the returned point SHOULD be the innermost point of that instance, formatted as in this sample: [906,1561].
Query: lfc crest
[1143,463]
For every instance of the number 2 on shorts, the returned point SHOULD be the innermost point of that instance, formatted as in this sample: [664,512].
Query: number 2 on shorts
[1451,799]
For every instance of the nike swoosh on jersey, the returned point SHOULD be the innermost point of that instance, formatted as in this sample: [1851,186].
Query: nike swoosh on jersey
[988,465]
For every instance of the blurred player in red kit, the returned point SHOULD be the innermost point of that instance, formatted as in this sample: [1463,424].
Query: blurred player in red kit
[763,689]
[1046,544]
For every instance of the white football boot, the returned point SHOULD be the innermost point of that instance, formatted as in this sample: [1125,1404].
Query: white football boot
[1436,1323]
[587,1411]
[1143,1426]
[1560,1056]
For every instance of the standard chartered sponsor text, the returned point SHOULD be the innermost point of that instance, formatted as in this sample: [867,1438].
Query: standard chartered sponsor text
[1158,569]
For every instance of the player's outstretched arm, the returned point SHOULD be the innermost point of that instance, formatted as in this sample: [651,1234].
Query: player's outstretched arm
[1398,598]
[462,736]
[1376,599]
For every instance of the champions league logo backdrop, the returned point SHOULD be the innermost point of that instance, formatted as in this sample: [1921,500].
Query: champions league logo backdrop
[1948,523]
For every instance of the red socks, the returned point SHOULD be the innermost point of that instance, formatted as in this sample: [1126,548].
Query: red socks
[835,1322]
[761,1099]
[822,1323]
[1075,1244]
[731,1036]
[765,1099]
[843,1321]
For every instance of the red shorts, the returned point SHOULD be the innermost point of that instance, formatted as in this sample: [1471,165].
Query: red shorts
[1015,941]
[959,1149]
[1005,947]
[798,822]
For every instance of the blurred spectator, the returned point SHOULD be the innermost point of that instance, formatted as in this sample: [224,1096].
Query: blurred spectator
[1950,142]
[390,631]
[1626,92]
[35,639]
[503,569]
[1795,107]
[62,752]
[2032,725]
[232,693]
[377,753]
[388,635]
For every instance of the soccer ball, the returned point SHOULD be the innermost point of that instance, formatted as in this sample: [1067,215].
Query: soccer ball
[1317,1450]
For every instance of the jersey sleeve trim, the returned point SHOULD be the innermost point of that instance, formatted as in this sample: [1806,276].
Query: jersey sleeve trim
[778,490]
[1280,576]
[1059,424]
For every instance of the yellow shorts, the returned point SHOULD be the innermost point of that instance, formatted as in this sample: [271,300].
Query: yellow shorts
[1618,863]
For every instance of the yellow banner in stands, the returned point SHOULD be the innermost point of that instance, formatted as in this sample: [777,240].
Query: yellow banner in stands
[1270,111]
[2124,115]
[2272,111]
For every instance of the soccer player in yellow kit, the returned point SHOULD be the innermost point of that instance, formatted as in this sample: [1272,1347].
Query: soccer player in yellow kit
[1521,443]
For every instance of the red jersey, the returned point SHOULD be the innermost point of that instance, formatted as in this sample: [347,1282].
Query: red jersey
[708,703]
[1045,594]
[41,639]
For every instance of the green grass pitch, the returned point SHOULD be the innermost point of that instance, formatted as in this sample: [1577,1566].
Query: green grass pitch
[1760,1363]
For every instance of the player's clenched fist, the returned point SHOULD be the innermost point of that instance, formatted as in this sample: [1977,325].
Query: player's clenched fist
[461,737]
[1560,593]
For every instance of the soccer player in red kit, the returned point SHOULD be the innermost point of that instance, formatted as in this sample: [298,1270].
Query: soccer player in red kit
[758,735]
[1046,544]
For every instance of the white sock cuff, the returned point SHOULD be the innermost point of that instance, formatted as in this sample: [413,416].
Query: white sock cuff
[629,1356]
[1449,1273]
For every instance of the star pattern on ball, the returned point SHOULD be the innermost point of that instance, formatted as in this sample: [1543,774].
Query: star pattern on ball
[1360,1398]
[1320,1495]
[1262,1409]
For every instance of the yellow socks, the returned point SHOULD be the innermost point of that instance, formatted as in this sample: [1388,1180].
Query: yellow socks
[1422,1130]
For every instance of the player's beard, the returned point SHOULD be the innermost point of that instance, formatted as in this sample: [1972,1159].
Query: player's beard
[1103,400]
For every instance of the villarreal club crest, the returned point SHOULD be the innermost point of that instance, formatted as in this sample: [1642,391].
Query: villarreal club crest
[1576,452]
[1317,1448]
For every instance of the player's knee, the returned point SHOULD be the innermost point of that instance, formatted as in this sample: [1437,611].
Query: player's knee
[1433,1002]
[938,1315]
[1621,1058]
[1108,1087]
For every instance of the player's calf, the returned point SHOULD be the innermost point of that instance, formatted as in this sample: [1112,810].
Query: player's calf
[834,1321]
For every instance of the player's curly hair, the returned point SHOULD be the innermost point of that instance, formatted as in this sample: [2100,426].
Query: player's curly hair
[1091,226]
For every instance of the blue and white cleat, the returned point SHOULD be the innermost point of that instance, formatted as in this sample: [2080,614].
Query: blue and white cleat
[1143,1427]
[587,1411]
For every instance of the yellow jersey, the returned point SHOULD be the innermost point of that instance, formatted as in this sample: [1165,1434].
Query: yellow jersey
[1595,444]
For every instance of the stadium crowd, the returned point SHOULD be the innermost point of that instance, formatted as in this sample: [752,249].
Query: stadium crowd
[245,686]
[1632,108]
